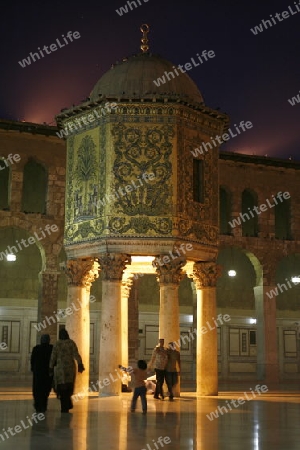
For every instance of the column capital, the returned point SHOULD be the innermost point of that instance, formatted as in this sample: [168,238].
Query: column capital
[113,265]
[81,272]
[126,285]
[205,274]
[170,272]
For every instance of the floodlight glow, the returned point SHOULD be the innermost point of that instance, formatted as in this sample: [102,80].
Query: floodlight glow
[11,257]
[232,273]
[142,259]
[296,279]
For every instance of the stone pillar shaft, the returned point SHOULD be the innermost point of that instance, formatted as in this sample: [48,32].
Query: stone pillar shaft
[272,361]
[125,292]
[207,351]
[267,348]
[133,324]
[112,266]
[47,306]
[80,273]
[194,341]
[169,313]
[111,338]
[169,276]
[205,276]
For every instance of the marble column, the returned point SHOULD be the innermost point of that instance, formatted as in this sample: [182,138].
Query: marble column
[266,330]
[113,266]
[47,303]
[205,276]
[125,292]
[80,275]
[169,276]
[133,324]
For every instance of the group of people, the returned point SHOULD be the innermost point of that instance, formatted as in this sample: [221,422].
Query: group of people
[166,363]
[54,366]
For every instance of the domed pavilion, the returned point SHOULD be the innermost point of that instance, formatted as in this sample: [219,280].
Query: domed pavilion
[138,201]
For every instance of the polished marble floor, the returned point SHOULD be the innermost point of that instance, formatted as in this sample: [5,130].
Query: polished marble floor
[265,422]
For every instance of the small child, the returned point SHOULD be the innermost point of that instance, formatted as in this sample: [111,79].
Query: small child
[140,374]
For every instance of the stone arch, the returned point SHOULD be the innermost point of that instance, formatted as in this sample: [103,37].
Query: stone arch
[49,248]
[251,290]
[20,278]
[257,265]
[288,291]
[238,291]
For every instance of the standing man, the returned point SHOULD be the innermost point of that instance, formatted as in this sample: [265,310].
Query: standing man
[172,368]
[159,360]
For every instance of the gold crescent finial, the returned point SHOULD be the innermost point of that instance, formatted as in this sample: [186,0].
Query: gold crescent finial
[145,30]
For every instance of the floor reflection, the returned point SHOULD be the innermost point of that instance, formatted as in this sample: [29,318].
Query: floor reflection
[269,422]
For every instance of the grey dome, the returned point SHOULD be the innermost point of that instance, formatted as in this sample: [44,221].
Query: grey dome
[133,77]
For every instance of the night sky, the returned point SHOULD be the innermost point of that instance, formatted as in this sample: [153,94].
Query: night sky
[251,77]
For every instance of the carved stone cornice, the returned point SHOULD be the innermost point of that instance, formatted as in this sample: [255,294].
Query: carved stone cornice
[113,265]
[169,273]
[81,272]
[205,274]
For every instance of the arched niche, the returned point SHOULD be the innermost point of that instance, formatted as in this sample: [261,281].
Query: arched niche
[34,193]
[224,210]
[236,292]
[249,216]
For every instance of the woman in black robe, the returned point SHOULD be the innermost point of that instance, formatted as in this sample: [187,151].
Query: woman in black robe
[42,381]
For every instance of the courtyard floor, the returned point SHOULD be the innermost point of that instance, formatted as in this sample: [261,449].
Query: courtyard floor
[262,422]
